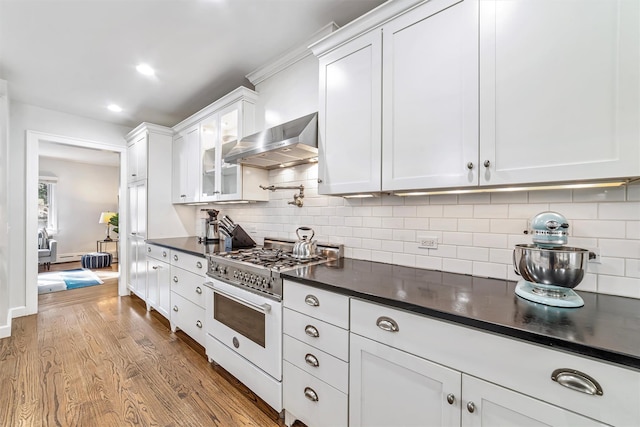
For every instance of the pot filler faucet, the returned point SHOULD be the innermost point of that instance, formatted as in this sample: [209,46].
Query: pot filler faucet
[297,198]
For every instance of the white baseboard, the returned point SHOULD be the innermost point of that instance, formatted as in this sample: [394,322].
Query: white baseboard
[5,330]
[18,312]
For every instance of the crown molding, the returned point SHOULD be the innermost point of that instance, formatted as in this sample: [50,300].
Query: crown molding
[148,127]
[290,57]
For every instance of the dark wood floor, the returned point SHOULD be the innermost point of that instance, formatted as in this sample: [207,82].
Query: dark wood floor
[92,358]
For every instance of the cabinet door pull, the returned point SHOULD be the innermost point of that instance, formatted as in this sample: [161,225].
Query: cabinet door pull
[471,407]
[164,254]
[155,267]
[199,264]
[175,308]
[198,290]
[470,165]
[387,324]
[199,324]
[450,398]
[311,331]
[487,163]
[310,394]
[576,380]
[312,300]
[311,360]
[175,279]
[148,249]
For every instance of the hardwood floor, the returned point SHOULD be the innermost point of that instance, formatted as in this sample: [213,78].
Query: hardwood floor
[92,358]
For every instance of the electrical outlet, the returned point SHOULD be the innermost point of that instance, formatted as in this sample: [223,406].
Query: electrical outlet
[428,242]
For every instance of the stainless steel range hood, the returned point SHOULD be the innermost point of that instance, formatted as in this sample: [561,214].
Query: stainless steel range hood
[288,144]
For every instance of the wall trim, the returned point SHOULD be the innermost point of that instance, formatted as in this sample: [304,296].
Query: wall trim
[33,139]
[5,330]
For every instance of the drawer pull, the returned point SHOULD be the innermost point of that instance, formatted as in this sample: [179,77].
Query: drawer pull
[199,324]
[155,267]
[164,254]
[198,290]
[175,279]
[149,250]
[199,264]
[450,398]
[175,308]
[175,257]
[312,300]
[576,380]
[311,331]
[471,407]
[310,394]
[387,324]
[311,360]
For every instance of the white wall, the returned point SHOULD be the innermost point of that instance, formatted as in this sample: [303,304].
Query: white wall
[23,117]
[5,329]
[83,191]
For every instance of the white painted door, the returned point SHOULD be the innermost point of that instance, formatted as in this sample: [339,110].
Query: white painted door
[230,131]
[178,168]
[164,289]
[559,90]
[489,405]
[349,118]
[152,283]
[132,163]
[430,97]
[140,147]
[389,387]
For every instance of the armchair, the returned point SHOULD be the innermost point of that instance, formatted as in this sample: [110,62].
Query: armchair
[47,249]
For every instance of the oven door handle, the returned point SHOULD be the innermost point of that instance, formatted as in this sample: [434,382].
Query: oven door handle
[263,308]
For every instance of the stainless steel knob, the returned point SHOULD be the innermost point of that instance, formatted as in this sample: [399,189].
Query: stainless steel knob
[450,398]
[148,249]
[487,163]
[175,279]
[199,324]
[199,264]
[175,308]
[175,257]
[319,181]
[471,407]
[155,267]
[164,254]
[198,290]
[470,165]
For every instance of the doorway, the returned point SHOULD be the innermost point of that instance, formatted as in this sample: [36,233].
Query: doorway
[65,147]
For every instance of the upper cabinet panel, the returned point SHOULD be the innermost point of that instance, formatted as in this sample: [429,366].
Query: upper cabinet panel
[559,90]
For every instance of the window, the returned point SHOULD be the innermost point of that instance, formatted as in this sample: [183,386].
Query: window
[47,212]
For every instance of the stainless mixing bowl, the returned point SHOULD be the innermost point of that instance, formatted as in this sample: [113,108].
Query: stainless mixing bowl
[563,266]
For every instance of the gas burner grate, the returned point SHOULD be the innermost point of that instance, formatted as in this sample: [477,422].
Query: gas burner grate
[269,258]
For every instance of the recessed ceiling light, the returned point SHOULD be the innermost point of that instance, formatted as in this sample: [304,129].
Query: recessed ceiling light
[145,69]
[115,108]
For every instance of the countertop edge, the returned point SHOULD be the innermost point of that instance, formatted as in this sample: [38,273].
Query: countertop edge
[599,354]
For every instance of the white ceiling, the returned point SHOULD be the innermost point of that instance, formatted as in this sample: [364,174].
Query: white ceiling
[78,56]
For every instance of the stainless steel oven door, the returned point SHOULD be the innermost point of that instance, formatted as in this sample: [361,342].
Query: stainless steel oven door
[249,324]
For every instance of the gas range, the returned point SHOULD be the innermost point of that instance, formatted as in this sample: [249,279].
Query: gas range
[259,269]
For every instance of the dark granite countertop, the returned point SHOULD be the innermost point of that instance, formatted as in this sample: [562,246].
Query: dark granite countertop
[189,245]
[606,328]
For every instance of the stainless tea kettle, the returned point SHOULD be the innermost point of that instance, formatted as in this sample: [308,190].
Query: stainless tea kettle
[305,247]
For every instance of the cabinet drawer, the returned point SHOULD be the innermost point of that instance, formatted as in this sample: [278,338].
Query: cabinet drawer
[330,339]
[321,365]
[188,285]
[514,364]
[158,252]
[299,391]
[188,317]
[324,305]
[192,263]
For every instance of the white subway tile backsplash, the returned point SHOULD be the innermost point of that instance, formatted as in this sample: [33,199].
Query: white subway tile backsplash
[458,211]
[629,211]
[573,211]
[550,196]
[622,286]
[616,194]
[475,225]
[476,232]
[473,254]
[489,269]
[598,229]
[457,265]
[490,240]
[457,238]
[443,224]
[491,211]
[509,197]
[619,248]
[509,226]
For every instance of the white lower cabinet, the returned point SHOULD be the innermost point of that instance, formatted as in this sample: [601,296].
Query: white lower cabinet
[158,290]
[390,387]
[187,298]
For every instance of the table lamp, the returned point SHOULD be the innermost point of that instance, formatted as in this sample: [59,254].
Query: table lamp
[104,219]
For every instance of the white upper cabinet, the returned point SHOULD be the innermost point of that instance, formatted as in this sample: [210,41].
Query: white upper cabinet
[137,158]
[559,90]
[200,173]
[430,93]
[465,93]
[349,121]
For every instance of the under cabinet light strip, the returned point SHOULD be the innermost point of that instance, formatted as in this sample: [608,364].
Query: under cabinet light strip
[510,189]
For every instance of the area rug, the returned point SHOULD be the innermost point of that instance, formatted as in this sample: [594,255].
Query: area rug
[69,279]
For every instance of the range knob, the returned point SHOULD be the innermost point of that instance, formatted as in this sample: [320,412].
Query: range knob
[246,277]
[222,269]
[235,274]
[264,282]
